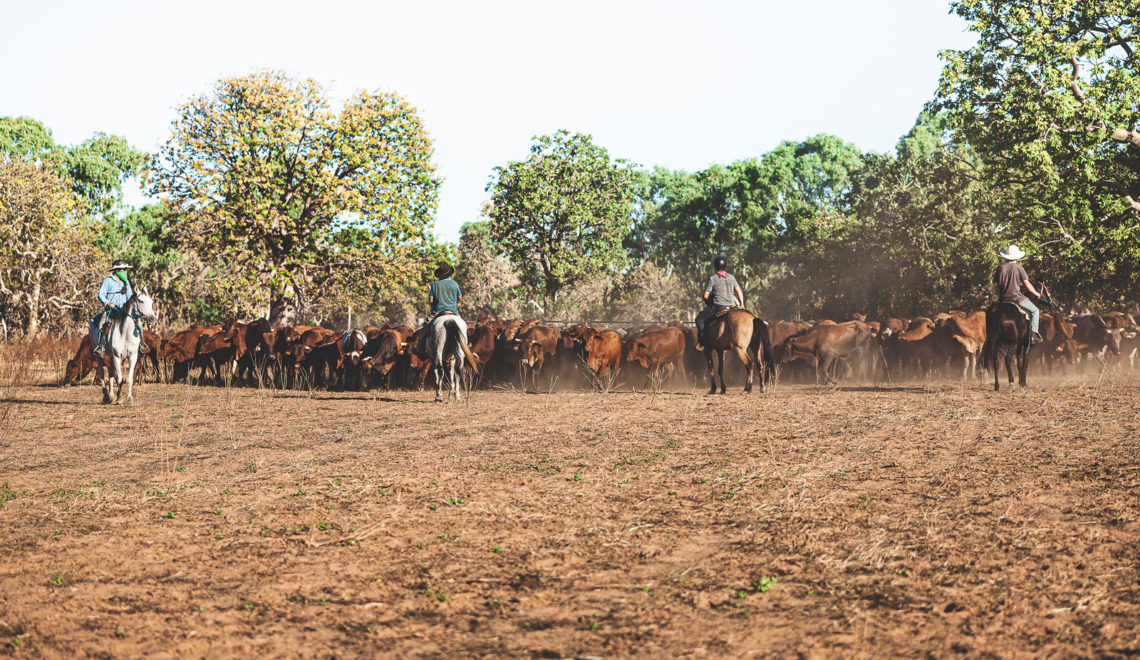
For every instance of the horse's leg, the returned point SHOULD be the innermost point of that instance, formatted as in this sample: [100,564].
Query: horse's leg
[1022,364]
[104,373]
[1009,365]
[117,376]
[712,373]
[456,370]
[720,368]
[742,353]
[131,361]
[438,381]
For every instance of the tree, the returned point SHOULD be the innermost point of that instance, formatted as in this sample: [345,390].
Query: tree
[561,214]
[267,179]
[491,285]
[760,212]
[95,169]
[46,259]
[1047,96]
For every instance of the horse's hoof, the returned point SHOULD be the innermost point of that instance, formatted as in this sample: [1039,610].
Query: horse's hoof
[129,402]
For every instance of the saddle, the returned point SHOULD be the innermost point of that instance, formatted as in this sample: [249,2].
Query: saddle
[1024,312]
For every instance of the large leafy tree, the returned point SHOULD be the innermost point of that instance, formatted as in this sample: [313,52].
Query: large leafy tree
[45,256]
[266,177]
[94,169]
[561,214]
[760,212]
[1049,98]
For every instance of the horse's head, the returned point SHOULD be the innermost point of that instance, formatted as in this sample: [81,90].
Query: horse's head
[144,305]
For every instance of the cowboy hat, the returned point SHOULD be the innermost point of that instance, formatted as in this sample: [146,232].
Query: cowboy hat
[1012,253]
[119,264]
[444,271]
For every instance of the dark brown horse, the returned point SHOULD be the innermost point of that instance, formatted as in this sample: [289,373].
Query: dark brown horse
[739,330]
[1007,337]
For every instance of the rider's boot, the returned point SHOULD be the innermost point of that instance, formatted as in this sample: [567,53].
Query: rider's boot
[1035,339]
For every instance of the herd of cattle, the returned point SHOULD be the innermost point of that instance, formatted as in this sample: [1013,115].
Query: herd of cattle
[517,352]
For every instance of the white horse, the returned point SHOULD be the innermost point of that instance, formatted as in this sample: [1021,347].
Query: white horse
[448,349]
[124,338]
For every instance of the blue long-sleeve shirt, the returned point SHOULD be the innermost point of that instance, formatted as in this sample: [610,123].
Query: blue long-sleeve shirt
[115,292]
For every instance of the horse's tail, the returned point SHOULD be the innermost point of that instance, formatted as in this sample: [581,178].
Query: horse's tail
[762,346]
[989,348]
[458,339]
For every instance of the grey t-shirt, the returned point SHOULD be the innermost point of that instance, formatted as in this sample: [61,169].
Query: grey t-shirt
[1008,279]
[720,290]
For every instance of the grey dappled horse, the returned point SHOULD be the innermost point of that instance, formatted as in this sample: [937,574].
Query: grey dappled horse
[448,350]
[125,337]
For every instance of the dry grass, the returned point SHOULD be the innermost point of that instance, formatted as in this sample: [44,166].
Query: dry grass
[912,520]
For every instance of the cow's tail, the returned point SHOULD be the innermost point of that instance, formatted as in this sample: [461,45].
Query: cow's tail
[762,347]
[460,341]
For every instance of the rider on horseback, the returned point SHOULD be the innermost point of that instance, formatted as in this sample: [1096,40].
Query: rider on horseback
[1009,278]
[721,291]
[114,293]
[443,298]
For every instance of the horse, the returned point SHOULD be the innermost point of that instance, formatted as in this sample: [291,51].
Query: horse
[1008,337]
[738,330]
[124,339]
[448,350]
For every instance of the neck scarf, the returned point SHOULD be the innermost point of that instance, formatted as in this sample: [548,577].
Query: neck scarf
[722,274]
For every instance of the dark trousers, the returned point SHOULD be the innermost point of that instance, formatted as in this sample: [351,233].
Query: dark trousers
[703,318]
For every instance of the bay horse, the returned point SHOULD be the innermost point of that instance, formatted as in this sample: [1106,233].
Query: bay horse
[737,330]
[124,340]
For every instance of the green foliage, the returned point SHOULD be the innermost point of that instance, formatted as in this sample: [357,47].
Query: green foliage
[561,214]
[1047,97]
[267,178]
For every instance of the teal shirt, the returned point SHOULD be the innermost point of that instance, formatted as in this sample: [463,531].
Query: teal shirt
[444,296]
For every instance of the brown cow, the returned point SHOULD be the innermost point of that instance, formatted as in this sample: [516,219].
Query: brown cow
[602,349]
[1055,345]
[824,345]
[481,341]
[535,345]
[383,352]
[182,349]
[655,349]
[961,337]
[914,350]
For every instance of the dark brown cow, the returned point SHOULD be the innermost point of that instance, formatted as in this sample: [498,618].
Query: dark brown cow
[654,349]
[1094,336]
[779,331]
[1055,333]
[383,352]
[824,345]
[481,341]
[914,350]
[306,344]
[85,362]
[602,350]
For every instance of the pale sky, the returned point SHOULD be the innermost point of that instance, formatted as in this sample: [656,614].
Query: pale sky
[677,84]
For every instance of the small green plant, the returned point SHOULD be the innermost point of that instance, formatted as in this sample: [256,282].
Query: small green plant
[301,492]
[324,601]
[764,584]
[56,580]
[58,532]
[217,512]
[180,467]
[169,515]
[219,536]
[701,480]
[227,492]
[577,476]
[322,526]
[122,634]
[646,588]
[348,542]
[432,593]
[496,548]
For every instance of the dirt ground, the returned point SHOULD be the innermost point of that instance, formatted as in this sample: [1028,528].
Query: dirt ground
[910,520]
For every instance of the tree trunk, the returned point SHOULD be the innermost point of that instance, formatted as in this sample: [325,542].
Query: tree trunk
[282,311]
[32,324]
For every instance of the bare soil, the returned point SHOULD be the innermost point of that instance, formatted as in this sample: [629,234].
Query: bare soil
[922,519]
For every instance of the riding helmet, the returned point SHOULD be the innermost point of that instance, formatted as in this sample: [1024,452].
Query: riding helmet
[119,264]
[720,263]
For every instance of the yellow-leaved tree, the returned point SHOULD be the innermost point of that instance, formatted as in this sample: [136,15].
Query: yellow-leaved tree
[294,198]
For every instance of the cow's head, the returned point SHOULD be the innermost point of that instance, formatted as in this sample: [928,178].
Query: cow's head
[638,352]
[1113,340]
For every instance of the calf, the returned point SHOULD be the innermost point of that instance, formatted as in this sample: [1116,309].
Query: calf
[1094,336]
[536,344]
